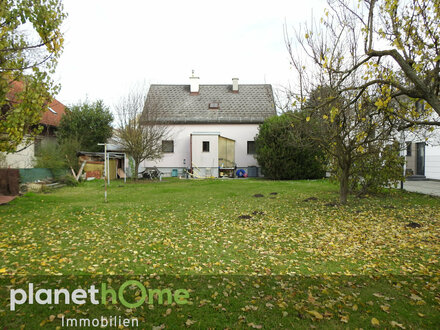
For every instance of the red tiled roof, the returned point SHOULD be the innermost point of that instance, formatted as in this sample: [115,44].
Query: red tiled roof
[48,118]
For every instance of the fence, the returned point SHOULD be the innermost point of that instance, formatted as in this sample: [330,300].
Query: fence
[34,174]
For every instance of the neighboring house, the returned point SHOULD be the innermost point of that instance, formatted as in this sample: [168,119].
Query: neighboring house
[423,160]
[25,155]
[423,152]
[211,127]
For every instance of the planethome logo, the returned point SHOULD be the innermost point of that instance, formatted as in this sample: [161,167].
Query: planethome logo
[82,296]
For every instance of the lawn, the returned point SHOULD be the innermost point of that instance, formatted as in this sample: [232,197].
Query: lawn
[253,253]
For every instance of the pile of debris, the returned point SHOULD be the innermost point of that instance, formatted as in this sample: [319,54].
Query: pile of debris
[40,186]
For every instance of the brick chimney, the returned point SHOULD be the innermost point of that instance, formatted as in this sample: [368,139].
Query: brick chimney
[194,84]
[234,85]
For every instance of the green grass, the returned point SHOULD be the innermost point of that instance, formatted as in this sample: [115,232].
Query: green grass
[196,228]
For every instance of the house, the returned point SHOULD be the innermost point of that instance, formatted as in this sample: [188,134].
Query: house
[211,127]
[423,160]
[25,155]
[423,151]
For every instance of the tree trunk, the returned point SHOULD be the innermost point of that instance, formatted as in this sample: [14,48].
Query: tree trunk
[136,169]
[343,185]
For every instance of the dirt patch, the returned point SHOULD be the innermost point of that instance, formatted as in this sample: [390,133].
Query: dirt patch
[258,213]
[245,216]
[331,204]
[413,225]
[273,193]
[258,195]
[310,199]
[390,207]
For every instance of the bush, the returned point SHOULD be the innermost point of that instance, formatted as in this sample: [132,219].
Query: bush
[68,180]
[58,158]
[284,151]
[381,167]
[50,156]
[69,148]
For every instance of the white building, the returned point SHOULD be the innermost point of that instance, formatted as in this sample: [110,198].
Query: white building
[423,160]
[211,127]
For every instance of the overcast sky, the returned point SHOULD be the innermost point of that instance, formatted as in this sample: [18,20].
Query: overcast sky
[111,45]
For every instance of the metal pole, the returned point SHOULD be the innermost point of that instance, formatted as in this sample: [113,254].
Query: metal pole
[105,170]
[403,153]
[125,169]
[106,173]
[107,157]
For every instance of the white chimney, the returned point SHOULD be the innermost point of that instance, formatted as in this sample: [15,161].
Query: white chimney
[235,85]
[194,84]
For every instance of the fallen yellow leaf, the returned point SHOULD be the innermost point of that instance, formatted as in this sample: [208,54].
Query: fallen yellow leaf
[375,322]
[398,325]
[316,314]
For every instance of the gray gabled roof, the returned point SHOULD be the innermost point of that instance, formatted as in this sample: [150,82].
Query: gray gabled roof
[175,104]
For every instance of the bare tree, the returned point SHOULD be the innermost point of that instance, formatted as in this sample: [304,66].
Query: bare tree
[350,127]
[138,131]
[398,50]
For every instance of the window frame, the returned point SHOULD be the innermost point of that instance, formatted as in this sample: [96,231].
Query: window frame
[205,143]
[249,148]
[172,146]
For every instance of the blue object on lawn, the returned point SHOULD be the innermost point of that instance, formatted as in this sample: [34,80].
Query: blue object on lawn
[240,173]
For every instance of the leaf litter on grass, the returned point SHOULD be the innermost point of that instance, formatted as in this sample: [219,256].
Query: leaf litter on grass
[206,236]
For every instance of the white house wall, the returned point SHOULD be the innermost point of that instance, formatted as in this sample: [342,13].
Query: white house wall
[432,162]
[22,159]
[181,157]
[26,158]
[432,152]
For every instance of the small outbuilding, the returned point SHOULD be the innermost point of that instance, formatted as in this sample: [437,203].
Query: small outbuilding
[94,164]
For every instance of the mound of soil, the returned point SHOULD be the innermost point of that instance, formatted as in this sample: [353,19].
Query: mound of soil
[258,213]
[258,195]
[413,225]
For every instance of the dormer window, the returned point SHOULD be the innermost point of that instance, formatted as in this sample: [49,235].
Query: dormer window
[52,110]
[214,105]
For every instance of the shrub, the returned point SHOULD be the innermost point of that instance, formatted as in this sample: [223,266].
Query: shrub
[50,156]
[58,158]
[68,180]
[381,167]
[284,150]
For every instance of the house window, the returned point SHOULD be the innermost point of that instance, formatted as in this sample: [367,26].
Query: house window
[251,147]
[214,105]
[205,146]
[408,148]
[168,146]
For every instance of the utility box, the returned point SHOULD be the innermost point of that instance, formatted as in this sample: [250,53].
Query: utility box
[252,171]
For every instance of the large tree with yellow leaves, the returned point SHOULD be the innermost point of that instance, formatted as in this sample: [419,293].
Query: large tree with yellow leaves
[31,42]
[381,61]
[390,45]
